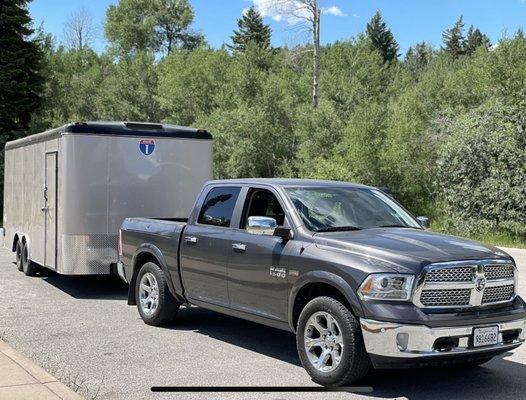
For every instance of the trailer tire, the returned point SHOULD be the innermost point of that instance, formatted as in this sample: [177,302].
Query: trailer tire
[28,266]
[18,251]
[328,331]
[155,303]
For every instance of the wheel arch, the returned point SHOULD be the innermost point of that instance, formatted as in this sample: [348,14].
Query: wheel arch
[320,283]
[148,253]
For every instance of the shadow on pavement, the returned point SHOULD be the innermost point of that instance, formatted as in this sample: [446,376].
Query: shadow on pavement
[265,340]
[499,378]
[100,287]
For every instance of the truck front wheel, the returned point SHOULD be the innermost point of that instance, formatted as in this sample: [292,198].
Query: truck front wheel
[156,304]
[330,343]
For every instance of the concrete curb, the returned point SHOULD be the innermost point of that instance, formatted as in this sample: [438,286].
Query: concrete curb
[42,378]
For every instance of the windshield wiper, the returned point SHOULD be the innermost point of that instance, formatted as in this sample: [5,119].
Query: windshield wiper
[394,226]
[339,228]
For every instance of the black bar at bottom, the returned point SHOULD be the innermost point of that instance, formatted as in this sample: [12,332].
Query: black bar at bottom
[273,389]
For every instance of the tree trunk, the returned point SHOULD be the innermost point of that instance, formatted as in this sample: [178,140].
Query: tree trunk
[316,55]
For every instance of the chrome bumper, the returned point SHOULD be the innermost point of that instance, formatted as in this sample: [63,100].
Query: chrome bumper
[412,341]
[120,271]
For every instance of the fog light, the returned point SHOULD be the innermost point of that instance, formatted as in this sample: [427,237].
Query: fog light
[401,341]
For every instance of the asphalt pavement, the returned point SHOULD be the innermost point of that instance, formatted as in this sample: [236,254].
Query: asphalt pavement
[80,330]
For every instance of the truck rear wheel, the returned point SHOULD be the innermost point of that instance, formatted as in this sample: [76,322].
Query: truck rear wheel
[155,303]
[18,251]
[330,343]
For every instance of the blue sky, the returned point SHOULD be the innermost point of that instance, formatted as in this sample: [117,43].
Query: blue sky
[411,21]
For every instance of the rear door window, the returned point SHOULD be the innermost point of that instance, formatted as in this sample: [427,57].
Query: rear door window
[218,206]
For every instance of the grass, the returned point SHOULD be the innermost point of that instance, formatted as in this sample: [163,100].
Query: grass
[495,238]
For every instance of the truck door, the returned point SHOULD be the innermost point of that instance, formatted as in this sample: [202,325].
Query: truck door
[50,210]
[204,247]
[257,268]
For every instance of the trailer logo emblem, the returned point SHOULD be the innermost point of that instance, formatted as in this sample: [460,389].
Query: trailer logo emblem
[147,146]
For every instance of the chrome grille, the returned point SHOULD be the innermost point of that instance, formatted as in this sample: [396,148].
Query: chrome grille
[460,274]
[445,297]
[503,271]
[497,294]
[464,284]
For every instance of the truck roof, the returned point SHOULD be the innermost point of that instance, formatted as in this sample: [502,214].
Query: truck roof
[287,182]
[115,128]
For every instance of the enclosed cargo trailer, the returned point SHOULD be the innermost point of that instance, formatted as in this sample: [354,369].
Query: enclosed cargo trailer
[68,190]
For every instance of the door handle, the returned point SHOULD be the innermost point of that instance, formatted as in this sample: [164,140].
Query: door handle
[239,246]
[190,239]
[45,208]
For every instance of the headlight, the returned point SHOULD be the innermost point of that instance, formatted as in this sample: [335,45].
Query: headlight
[387,287]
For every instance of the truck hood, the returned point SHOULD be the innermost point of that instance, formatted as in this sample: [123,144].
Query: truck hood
[405,249]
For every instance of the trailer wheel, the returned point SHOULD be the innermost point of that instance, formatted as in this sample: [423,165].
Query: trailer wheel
[155,303]
[28,266]
[18,251]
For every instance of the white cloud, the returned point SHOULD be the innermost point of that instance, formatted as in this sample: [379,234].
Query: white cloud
[333,10]
[291,11]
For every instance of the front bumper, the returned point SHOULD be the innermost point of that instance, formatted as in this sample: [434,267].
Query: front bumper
[391,343]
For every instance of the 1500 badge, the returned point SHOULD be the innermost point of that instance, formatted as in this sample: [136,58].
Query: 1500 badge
[278,272]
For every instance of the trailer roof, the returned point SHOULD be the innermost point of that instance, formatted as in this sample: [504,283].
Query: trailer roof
[111,128]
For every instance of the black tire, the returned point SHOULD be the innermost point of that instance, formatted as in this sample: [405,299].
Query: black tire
[167,305]
[18,251]
[29,267]
[355,363]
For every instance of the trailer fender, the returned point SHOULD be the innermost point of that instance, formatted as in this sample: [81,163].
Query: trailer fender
[144,253]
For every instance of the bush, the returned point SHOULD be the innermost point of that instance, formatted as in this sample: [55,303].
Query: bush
[482,171]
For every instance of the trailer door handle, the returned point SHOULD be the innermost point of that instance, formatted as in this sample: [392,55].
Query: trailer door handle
[239,246]
[190,239]
[45,208]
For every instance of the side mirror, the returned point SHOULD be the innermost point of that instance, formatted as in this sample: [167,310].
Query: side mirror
[261,225]
[423,221]
[267,226]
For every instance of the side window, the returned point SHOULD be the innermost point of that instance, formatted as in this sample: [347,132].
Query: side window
[218,206]
[262,203]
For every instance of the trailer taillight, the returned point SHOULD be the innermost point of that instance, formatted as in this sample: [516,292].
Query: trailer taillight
[119,245]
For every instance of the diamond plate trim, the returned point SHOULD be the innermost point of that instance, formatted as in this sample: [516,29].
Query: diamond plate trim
[88,254]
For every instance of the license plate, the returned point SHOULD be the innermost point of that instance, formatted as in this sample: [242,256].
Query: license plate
[485,336]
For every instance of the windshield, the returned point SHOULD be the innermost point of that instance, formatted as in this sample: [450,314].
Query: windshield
[346,208]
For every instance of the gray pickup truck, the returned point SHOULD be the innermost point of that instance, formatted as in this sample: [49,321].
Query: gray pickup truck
[344,266]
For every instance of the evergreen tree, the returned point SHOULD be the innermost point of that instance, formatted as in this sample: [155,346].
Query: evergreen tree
[454,40]
[251,30]
[420,55]
[382,38]
[21,78]
[475,39]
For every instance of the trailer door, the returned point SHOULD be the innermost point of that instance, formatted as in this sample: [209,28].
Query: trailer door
[50,210]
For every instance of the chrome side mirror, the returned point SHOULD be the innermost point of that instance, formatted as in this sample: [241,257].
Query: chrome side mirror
[261,225]
[423,221]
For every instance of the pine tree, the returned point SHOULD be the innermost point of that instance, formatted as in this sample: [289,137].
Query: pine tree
[382,38]
[475,39]
[454,40]
[251,30]
[21,65]
[420,55]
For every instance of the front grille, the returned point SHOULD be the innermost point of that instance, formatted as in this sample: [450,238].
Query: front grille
[465,284]
[460,274]
[497,294]
[503,271]
[445,297]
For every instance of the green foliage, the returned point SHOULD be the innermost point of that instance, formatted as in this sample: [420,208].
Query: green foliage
[21,68]
[476,39]
[482,170]
[382,38]
[454,40]
[151,25]
[251,30]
